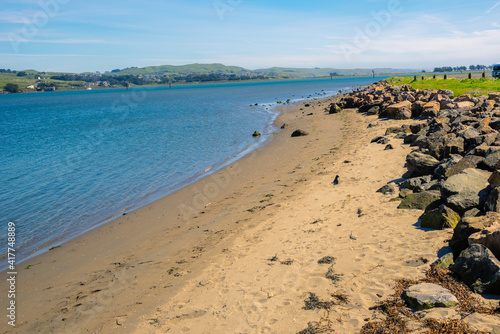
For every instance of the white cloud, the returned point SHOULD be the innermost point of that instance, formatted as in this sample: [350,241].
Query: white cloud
[492,8]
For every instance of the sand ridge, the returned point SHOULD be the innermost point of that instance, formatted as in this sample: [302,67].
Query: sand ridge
[199,261]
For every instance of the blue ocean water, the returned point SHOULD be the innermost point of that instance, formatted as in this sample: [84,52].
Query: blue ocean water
[72,160]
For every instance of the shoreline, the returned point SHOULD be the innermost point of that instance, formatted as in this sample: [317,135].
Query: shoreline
[174,201]
[273,112]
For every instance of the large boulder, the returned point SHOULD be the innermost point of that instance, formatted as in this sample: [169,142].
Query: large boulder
[404,113]
[446,164]
[388,189]
[489,237]
[494,179]
[465,105]
[479,269]
[394,109]
[417,108]
[421,201]
[335,109]
[468,226]
[425,296]
[373,110]
[492,160]
[447,92]
[493,201]
[432,104]
[466,190]
[469,161]
[419,163]
[415,182]
[439,218]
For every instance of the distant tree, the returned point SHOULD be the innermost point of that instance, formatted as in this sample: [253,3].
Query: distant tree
[21,74]
[11,88]
[116,70]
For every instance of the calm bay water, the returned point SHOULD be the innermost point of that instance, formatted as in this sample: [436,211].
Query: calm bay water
[73,160]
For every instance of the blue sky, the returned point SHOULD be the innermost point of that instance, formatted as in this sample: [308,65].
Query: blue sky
[77,36]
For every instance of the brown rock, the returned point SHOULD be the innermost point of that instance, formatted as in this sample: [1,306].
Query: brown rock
[462,98]
[403,113]
[433,104]
[393,109]
[470,225]
[489,237]
[494,96]
[465,105]
[494,179]
[493,201]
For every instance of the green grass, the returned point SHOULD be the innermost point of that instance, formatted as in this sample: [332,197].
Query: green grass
[479,86]
[29,80]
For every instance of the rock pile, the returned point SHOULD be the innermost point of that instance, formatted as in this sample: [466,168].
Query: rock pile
[453,172]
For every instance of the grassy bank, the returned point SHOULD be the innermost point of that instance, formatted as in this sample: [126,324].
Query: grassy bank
[458,86]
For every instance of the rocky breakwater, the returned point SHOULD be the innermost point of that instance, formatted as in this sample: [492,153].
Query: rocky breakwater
[453,172]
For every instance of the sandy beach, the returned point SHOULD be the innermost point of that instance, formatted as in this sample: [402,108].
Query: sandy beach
[238,251]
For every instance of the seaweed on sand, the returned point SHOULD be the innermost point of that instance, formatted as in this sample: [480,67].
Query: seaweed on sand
[398,314]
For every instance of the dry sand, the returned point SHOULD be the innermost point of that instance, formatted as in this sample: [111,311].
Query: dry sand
[198,261]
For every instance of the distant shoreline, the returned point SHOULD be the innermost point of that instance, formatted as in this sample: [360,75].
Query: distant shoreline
[456,75]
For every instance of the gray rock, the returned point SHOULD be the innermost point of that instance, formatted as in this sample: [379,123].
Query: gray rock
[479,269]
[446,164]
[415,182]
[393,130]
[469,180]
[416,128]
[420,163]
[493,201]
[446,92]
[411,138]
[489,237]
[421,201]
[373,111]
[491,160]
[466,190]
[440,218]
[469,134]
[468,226]
[444,261]
[299,133]
[404,113]
[474,212]
[388,147]
[388,189]
[427,295]
[470,161]
[433,185]
[417,108]
[335,109]
[422,141]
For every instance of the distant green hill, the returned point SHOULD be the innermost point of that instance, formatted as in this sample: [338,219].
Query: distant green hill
[324,72]
[273,71]
[184,69]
